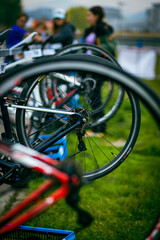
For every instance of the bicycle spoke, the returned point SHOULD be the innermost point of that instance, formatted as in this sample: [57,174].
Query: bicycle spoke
[116,133]
[93,153]
[98,147]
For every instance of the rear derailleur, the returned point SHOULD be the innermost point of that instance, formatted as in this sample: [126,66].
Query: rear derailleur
[80,130]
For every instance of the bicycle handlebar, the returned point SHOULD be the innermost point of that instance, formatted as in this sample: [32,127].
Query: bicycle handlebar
[4,35]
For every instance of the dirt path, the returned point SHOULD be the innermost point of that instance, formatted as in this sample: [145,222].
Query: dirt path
[5,198]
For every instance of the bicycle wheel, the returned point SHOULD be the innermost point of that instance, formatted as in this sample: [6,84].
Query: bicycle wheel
[88,49]
[94,50]
[46,89]
[20,73]
[52,90]
[100,155]
[66,95]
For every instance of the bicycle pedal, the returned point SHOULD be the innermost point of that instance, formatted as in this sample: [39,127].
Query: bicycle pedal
[8,174]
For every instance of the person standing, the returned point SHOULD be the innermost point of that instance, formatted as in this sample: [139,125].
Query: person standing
[63,31]
[99,32]
[16,35]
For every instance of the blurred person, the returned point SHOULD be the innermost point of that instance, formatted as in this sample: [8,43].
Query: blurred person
[17,34]
[41,29]
[34,49]
[63,31]
[18,30]
[99,32]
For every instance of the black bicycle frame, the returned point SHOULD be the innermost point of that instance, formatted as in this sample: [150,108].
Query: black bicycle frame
[61,132]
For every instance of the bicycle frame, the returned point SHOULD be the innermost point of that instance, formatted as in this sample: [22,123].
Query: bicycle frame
[53,138]
[42,164]
[9,136]
[5,105]
[8,132]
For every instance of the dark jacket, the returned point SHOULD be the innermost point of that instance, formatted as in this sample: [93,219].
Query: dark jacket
[104,36]
[102,29]
[65,36]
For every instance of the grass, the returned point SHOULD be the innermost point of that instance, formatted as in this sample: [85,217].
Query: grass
[125,203]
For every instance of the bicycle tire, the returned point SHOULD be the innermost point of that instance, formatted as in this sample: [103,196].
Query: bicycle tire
[97,51]
[117,160]
[83,48]
[75,48]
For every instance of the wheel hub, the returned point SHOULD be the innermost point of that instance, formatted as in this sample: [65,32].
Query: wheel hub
[74,118]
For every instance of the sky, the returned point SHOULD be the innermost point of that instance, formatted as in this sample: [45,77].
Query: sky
[127,6]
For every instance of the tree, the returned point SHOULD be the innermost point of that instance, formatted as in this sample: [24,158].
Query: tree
[9,11]
[77,16]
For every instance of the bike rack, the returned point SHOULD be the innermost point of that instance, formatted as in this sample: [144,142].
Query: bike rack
[59,150]
[25,232]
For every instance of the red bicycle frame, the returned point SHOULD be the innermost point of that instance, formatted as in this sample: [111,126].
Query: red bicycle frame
[45,165]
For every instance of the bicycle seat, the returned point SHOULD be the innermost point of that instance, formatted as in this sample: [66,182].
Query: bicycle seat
[4,35]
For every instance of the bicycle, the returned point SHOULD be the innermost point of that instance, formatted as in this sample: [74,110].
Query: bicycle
[81,147]
[92,170]
[139,88]
[56,92]
[49,89]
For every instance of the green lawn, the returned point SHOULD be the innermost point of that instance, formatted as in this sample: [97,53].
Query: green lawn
[124,203]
